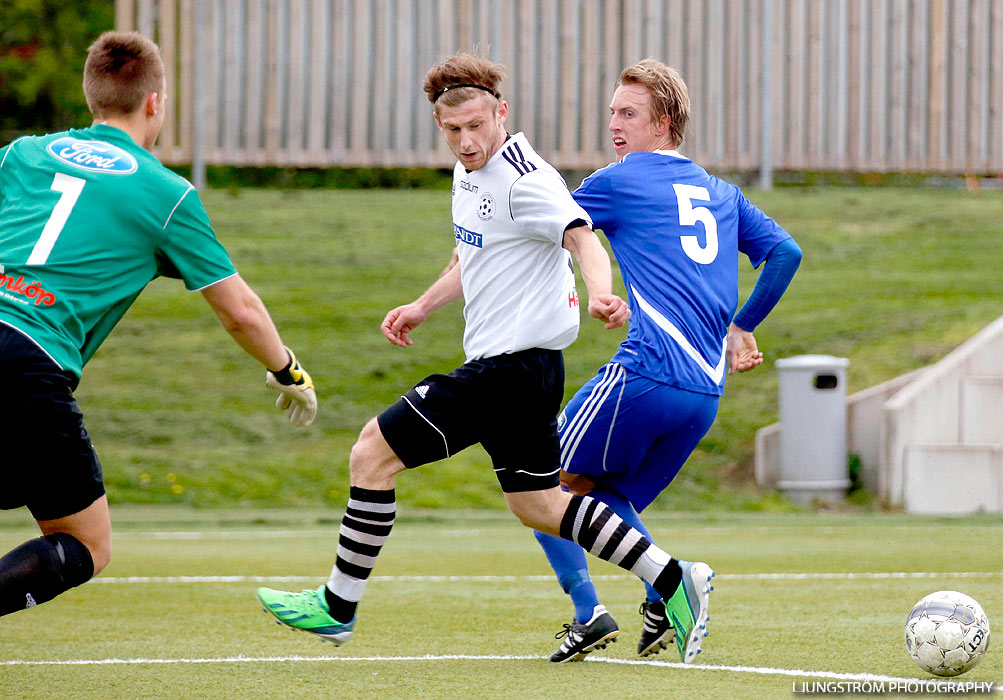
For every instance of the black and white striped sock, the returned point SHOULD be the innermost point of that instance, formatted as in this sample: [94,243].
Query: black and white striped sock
[364,529]
[598,530]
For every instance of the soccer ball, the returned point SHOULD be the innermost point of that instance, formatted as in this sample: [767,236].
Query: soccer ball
[947,633]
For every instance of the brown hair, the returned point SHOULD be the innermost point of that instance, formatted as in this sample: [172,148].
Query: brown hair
[669,97]
[461,78]
[122,68]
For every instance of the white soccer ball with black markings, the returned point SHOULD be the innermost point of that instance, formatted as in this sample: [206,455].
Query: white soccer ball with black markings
[947,633]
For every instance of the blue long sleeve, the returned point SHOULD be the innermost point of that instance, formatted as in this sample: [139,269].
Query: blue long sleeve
[778,270]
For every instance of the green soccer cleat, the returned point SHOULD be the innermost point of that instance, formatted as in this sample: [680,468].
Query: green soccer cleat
[687,608]
[306,611]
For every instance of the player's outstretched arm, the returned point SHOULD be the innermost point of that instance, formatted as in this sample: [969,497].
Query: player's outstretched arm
[594,262]
[743,354]
[246,319]
[404,319]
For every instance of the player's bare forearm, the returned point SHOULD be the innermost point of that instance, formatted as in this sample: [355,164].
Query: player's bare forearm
[592,258]
[585,247]
[743,354]
[246,319]
[399,322]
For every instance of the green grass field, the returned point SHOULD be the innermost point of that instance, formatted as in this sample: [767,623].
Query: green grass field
[892,279]
[462,605]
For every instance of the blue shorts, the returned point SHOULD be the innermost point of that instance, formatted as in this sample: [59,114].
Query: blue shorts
[632,434]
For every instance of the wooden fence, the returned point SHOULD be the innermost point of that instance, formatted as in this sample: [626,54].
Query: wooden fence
[852,85]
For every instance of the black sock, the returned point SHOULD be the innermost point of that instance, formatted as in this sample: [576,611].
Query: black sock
[668,581]
[41,569]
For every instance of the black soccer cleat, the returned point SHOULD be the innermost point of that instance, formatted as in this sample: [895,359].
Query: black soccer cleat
[581,639]
[657,632]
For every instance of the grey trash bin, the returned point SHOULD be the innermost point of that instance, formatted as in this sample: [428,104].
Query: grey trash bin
[813,459]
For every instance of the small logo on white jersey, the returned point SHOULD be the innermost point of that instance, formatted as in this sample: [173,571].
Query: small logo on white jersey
[486,208]
[421,390]
[29,601]
[93,156]
[468,186]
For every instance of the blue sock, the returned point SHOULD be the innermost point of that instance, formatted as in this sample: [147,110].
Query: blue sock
[621,506]
[567,560]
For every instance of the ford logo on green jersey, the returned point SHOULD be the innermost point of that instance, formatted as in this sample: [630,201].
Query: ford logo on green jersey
[93,156]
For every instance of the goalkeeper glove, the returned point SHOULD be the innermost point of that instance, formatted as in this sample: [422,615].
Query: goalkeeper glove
[297,392]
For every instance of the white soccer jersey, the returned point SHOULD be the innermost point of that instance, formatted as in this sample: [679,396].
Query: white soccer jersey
[509,219]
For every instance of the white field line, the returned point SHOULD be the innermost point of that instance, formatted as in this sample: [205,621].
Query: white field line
[549,577]
[241,659]
[266,534]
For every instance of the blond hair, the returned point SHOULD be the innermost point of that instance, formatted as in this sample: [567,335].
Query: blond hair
[122,68]
[669,97]
[461,78]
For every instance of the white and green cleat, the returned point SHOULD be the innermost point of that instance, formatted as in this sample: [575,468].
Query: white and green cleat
[306,611]
[688,607]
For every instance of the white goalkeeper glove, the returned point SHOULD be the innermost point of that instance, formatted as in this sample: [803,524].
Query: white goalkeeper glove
[297,393]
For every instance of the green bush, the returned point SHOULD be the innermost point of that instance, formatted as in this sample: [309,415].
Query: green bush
[43,45]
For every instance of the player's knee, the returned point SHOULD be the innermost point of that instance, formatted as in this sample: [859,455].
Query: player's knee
[372,463]
[100,554]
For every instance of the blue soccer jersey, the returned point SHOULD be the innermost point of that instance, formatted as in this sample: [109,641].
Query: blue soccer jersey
[676,232]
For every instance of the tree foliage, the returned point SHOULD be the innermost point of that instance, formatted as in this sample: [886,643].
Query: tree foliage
[43,46]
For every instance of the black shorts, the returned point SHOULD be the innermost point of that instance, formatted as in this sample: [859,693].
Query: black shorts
[508,403]
[48,462]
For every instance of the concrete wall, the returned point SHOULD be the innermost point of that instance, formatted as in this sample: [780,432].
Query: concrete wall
[928,410]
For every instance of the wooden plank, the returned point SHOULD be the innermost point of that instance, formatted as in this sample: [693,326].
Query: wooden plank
[976,160]
[855,99]
[696,81]
[592,104]
[814,88]
[633,31]
[233,81]
[168,41]
[937,71]
[613,64]
[378,84]
[569,70]
[524,84]
[464,25]
[317,82]
[448,46]
[841,79]
[212,58]
[125,15]
[273,83]
[714,87]
[146,16]
[362,32]
[958,105]
[917,65]
[508,55]
[878,102]
[996,91]
[652,34]
[795,99]
[253,102]
[404,107]
[186,95]
[675,40]
[544,137]
[750,115]
[340,37]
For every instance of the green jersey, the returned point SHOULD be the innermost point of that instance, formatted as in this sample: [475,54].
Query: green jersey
[87,219]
